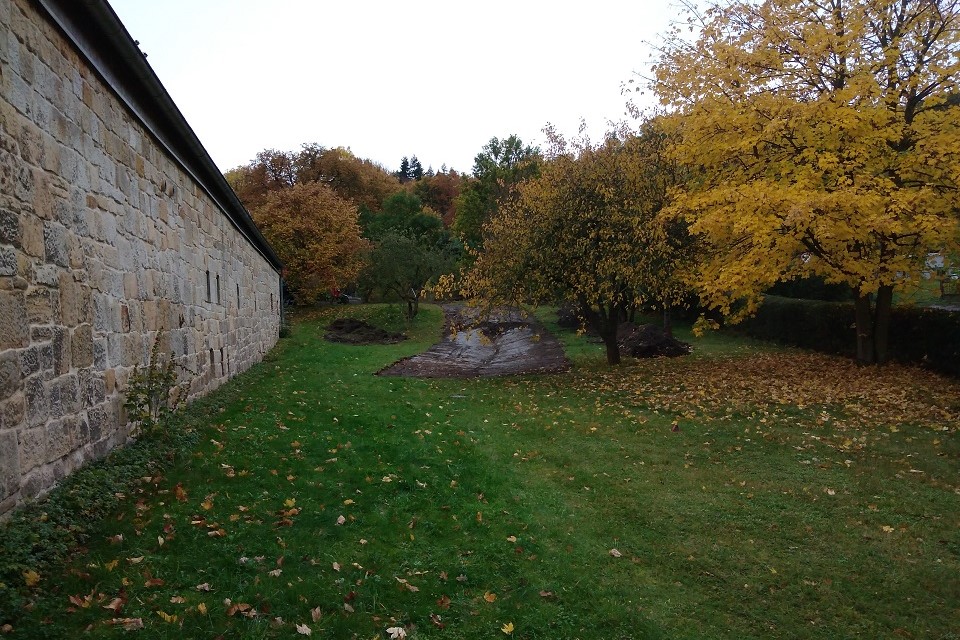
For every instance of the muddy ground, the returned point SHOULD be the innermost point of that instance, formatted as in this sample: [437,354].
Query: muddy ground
[501,342]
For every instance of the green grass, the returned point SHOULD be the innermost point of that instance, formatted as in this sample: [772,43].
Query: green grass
[800,498]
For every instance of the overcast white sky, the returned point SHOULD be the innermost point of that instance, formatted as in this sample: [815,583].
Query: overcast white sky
[431,78]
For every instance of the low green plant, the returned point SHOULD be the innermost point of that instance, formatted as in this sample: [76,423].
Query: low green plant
[155,391]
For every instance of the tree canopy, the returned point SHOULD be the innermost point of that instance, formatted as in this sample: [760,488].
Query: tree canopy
[821,140]
[587,231]
[496,169]
[316,234]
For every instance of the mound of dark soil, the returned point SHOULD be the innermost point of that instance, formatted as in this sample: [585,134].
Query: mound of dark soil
[353,331]
[649,341]
[567,317]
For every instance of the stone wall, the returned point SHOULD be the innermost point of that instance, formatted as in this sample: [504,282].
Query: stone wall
[105,242]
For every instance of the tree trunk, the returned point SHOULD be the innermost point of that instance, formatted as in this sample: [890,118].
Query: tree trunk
[864,324]
[667,322]
[881,323]
[608,332]
[873,326]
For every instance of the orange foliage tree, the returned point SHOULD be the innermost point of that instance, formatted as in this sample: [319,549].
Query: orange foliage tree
[316,233]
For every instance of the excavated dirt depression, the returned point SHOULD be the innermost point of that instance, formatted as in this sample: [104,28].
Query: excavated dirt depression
[502,342]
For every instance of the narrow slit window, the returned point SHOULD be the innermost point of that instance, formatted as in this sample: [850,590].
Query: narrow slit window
[238,296]
[218,288]
[223,369]
[208,286]
[211,358]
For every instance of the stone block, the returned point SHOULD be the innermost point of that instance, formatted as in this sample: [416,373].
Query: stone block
[9,464]
[55,244]
[32,237]
[35,394]
[48,275]
[130,288]
[64,396]
[74,300]
[60,343]
[36,482]
[30,361]
[33,448]
[81,344]
[8,261]
[13,320]
[92,389]
[98,420]
[59,436]
[10,231]
[43,305]
[12,412]
[10,378]
[100,354]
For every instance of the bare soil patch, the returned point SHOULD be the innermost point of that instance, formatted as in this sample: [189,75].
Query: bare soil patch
[500,342]
[353,331]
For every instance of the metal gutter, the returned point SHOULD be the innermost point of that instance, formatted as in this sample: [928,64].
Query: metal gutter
[100,37]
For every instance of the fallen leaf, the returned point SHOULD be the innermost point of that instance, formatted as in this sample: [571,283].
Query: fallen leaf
[115,605]
[511,538]
[315,614]
[202,608]
[275,573]
[128,624]
[110,566]
[887,528]
[336,566]
[443,602]
[489,597]
[507,628]
[154,582]
[203,587]
[546,594]
[435,620]
[615,553]
[341,520]
[304,630]
[177,600]
[397,633]
[31,577]
[166,617]
[180,492]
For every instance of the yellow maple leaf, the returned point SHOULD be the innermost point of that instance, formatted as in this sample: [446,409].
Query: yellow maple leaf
[507,628]
[31,577]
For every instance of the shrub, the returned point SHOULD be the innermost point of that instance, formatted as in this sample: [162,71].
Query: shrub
[918,335]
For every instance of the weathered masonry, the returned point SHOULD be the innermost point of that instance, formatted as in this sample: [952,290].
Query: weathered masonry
[115,227]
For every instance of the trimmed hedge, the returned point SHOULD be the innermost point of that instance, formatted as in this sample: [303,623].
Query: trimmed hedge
[918,335]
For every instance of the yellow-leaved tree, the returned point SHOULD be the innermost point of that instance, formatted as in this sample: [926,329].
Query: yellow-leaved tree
[586,231]
[824,139]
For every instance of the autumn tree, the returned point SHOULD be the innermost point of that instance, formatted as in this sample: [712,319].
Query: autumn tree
[496,169]
[823,143]
[362,181]
[316,234]
[586,231]
[440,192]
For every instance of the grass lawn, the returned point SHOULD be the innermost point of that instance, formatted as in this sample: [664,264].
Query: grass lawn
[744,491]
